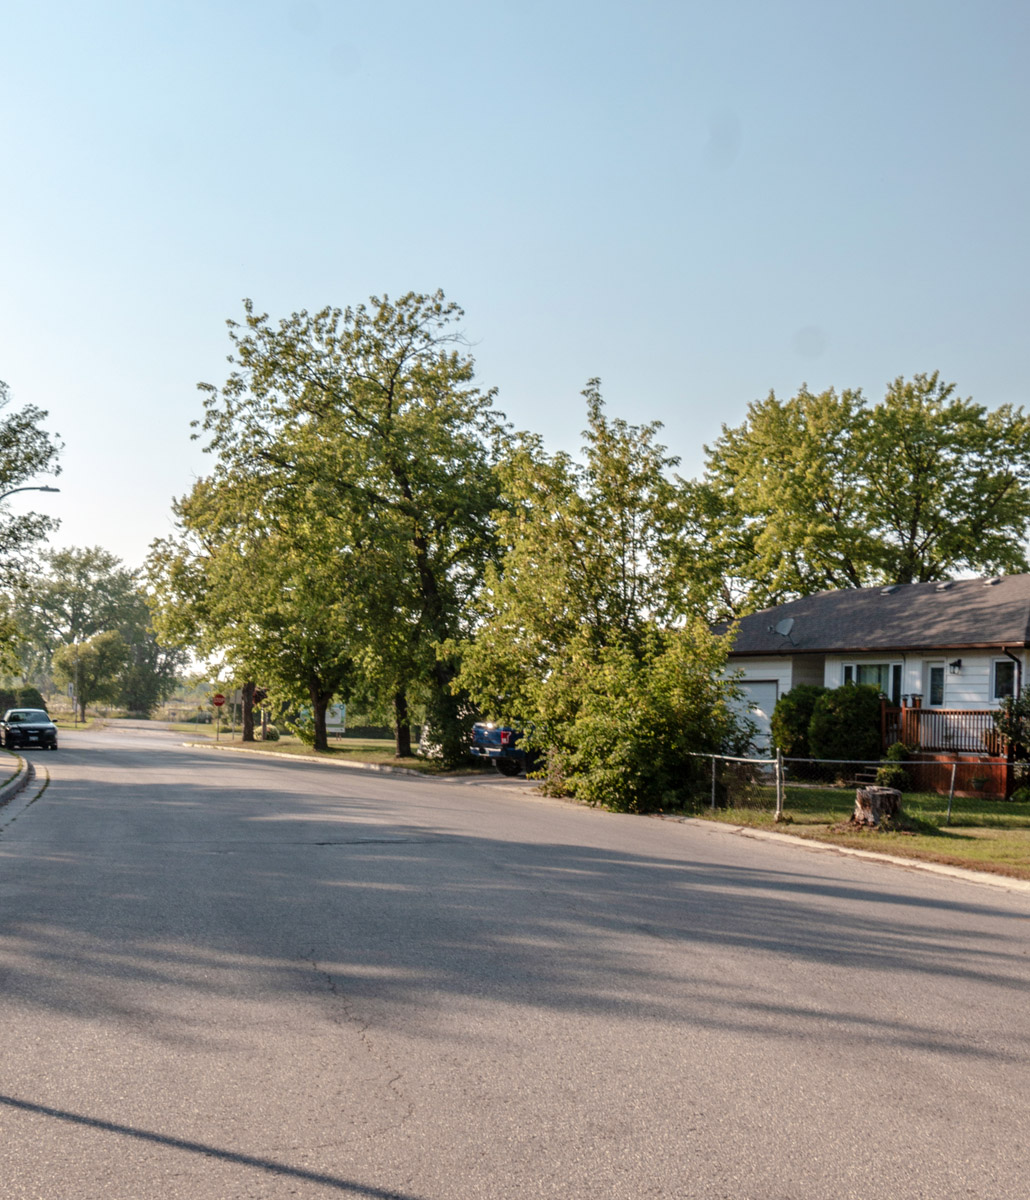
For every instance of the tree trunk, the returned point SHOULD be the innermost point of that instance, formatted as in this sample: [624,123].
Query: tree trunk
[449,728]
[248,712]
[319,704]
[874,805]
[402,722]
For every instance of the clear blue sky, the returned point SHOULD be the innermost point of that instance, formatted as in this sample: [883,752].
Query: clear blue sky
[696,202]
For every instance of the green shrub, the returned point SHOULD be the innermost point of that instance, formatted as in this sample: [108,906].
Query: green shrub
[893,776]
[791,718]
[300,723]
[30,697]
[271,734]
[846,724]
[1012,721]
[643,711]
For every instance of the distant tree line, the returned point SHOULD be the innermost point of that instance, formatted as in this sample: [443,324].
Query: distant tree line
[84,625]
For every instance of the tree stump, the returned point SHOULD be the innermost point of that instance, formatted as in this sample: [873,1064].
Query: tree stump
[873,805]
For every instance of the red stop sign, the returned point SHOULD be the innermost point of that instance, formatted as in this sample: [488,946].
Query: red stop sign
[218,699]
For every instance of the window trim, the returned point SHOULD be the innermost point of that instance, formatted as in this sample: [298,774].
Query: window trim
[996,696]
[929,666]
[895,674]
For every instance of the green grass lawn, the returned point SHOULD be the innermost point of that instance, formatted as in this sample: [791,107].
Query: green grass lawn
[984,835]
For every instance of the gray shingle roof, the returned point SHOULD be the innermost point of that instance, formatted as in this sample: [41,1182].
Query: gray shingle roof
[968,613]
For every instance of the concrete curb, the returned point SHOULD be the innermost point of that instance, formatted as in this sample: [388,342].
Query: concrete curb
[987,878]
[382,768]
[26,773]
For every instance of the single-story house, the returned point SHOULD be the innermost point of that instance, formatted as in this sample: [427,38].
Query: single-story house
[945,655]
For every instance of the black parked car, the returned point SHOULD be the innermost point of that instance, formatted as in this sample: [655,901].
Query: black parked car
[28,727]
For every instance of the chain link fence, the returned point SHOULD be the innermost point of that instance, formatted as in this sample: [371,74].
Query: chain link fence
[725,781]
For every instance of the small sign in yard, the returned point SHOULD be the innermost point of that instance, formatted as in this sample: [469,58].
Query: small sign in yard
[336,719]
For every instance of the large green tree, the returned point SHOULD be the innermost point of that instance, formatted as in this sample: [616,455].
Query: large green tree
[76,593]
[587,637]
[365,425]
[72,594]
[152,667]
[825,490]
[27,453]
[92,668]
[264,599]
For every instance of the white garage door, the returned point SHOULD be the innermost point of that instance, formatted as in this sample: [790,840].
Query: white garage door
[761,695]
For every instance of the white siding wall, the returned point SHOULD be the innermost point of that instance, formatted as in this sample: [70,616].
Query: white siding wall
[971,688]
[807,668]
[762,672]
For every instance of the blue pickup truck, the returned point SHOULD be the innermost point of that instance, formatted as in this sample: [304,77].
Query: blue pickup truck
[499,744]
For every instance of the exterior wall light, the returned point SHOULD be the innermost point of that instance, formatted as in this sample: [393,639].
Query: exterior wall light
[955,667]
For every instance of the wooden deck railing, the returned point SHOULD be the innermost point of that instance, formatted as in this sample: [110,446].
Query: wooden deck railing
[939,730]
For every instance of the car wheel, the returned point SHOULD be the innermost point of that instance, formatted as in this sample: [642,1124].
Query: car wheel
[508,766]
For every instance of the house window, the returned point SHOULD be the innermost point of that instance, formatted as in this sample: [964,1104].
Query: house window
[885,677]
[935,685]
[1004,678]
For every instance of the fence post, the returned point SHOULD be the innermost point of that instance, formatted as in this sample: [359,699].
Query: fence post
[779,784]
[951,794]
[713,783]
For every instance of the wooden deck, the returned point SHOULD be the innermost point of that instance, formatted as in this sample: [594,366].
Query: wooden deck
[940,737]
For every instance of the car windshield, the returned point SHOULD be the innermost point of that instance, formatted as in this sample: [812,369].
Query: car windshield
[26,716]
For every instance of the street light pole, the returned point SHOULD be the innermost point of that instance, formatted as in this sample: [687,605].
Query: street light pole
[40,488]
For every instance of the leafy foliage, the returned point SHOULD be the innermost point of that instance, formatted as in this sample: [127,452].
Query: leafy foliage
[77,593]
[846,724]
[635,715]
[27,452]
[825,491]
[792,717]
[586,636]
[11,641]
[92,667]
[1012,721]
[267,597]
[893,775]
[353,488]
[73,594]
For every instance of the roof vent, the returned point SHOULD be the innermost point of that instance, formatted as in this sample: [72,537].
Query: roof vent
[992,581]
[943,587]
[889,591]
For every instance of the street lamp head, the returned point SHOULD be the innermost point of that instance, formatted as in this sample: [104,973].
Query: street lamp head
[34,488]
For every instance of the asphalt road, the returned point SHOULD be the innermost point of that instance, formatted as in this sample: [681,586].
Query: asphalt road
[225,978]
